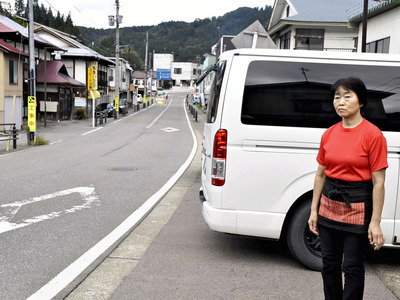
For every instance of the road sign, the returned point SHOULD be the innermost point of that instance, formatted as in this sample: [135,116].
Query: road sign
[117,103]
[90,79]
[164,74]
[32,113]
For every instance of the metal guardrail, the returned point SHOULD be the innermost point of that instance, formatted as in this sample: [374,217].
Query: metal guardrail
[10,134]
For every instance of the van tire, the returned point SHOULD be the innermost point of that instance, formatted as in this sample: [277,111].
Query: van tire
[302,243]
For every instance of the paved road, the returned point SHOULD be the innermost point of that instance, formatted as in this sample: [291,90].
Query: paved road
[59,201]
[174,255]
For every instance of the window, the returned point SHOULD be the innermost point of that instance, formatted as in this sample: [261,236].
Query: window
[310,39]
[298,94]
[213,100]
[177,71]
[13,71]
[111,75]
[194,71]
[379,46]
[285,41]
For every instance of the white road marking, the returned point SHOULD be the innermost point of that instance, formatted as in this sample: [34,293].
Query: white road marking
[159,116]
[8,211]
[65,277]
[169,129]
[91,131]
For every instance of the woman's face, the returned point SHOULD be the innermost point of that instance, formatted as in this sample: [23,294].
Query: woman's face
[346,103]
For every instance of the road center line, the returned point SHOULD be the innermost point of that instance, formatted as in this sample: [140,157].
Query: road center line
[159,116]
[65,277]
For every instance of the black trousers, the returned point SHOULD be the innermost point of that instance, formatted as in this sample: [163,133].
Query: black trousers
[343,251]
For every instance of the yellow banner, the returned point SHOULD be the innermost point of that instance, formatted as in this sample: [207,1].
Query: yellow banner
[90,80]
[116,103]
[32,113]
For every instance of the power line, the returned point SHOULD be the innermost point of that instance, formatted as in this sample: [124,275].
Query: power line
[87,18]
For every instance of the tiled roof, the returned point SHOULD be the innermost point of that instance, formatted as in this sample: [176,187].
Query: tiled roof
[76,49]
[9,26]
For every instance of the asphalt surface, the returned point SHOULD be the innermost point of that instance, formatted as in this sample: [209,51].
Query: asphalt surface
[172,254]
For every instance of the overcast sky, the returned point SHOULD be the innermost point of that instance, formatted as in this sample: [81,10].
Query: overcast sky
[94,13]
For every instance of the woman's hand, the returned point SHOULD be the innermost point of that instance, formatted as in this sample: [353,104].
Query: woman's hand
[312,222]
[375,235]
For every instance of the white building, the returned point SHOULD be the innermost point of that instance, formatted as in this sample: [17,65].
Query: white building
[383,23]
[170,73]
[125,87]
[313,25]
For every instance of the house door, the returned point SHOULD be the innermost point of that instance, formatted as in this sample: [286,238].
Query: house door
[13,111]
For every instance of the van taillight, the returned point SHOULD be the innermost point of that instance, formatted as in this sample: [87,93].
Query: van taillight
[219,158]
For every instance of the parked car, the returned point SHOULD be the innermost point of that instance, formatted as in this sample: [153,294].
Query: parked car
[107,108]
[123,106]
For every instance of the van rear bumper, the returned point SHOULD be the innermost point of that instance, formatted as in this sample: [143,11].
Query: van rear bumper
[260,224]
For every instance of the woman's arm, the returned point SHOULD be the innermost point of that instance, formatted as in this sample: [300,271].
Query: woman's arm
[375,234]
[319,182]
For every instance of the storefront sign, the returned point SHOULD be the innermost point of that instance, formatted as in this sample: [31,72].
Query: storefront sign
[90,79]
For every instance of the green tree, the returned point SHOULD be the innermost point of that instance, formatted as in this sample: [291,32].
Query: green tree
[19,8]
[133,58]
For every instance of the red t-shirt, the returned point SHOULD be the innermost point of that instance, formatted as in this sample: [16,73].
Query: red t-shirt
[351,154]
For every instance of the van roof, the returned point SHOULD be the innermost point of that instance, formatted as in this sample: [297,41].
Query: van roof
[309,54]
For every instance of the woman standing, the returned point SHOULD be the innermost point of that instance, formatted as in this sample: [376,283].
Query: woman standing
[348,192]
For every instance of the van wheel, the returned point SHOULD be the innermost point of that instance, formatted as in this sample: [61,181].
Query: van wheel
[303,244]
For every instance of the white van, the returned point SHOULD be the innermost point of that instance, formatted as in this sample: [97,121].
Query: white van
[265,118]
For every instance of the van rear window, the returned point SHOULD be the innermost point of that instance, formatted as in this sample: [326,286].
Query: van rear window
[298,94]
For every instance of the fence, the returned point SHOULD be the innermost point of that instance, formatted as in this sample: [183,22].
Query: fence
[10,134]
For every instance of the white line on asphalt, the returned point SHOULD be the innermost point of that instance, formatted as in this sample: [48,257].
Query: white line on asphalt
[88,197]
[159,116]
[91,131]
[65,277]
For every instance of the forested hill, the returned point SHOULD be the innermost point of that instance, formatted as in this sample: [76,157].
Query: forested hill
[185,40]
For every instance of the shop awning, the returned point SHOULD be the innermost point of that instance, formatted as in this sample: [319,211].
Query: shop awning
[56,73]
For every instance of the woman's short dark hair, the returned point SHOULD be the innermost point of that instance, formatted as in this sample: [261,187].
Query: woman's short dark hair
[354,84]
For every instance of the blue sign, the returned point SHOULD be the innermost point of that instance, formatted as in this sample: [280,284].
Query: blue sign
[164,74]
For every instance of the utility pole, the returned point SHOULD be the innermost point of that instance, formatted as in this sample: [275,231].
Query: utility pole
[145,68]
[31,78]
[117,71]
[32,63]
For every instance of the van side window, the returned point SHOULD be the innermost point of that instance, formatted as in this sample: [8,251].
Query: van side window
[213,100]
[298,94]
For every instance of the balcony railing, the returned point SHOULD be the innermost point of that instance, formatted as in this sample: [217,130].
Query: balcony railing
[327,49]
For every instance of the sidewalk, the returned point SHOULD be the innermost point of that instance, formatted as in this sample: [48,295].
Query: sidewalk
[51,132]
[54,131]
